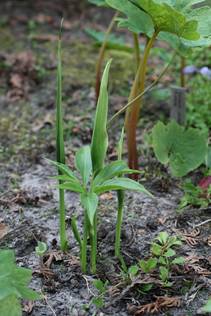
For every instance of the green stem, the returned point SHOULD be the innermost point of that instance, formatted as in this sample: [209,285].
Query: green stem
[62,224]
[138,97]
[102,54]
[136,50]
[120,195]
[132,115]
[93,237]
[182,75]
[84,244]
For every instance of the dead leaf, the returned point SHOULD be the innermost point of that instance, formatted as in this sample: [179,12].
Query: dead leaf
[52,256]
[106,196]
[28,307]
[3,230]
[16,80]
[45,38]
[162,302]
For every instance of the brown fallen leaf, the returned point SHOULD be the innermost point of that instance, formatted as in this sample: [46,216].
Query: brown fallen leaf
[4,229]
[28,307]
[45,37]
[161,303]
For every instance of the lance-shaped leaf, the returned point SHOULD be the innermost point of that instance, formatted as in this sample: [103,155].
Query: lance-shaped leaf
[137,21]
[184,150]
[83,162]
[116,168]
[64,170]
[89,201]
[120,184]
[73,186]
[99,143]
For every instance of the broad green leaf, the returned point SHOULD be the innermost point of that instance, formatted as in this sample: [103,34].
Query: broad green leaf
[207,307]
[184,150]
[178,260]
[148,265]
[133,270]
[137,21]
[162,237]
[167,18]
[72,186]
[83,163]
[156,249]
[169,253]
[120,184]
[99,143]
[89,200]
[164,273]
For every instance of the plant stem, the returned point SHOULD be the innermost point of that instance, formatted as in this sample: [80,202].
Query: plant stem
[60,151]
[138,97]
[84,244]
[120,195]
[136,50]
[182,75]
[93,237]
[101,56]
[132,114]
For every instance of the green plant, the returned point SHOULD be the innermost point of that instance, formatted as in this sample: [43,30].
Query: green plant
[41,248]
[101,288]
[180,20]
[60,150]
[194,195]
[13,285]
[95,178]
[162,249]
[182,149]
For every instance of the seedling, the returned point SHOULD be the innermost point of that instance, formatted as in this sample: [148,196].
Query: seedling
[13,285]
[195,196]
[40,250]
[162,250]
[95,179]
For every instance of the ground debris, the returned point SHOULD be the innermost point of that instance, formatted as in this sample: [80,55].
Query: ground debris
[161,303]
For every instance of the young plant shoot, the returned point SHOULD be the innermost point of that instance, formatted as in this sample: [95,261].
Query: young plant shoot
[95,179]
[60,151]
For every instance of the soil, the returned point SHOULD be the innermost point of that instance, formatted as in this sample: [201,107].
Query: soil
[28,197]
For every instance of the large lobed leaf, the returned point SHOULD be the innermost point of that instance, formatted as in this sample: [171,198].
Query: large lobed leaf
[99,143]
[184,150]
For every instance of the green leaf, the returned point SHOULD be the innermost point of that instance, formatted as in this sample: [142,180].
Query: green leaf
[10,306]
[41,248]
[178,260]
[89,201]
[73,186]
[207,307]
[156,249]
[208,158]
[110,171]
[120,184]
[99,143]
[162,237]
[64,169]
[169,253]
[137,21]
[100,285]
[133,270]
[148,265]
[83,163]
[167,18]
[13,285]
[184,150]
[75,231]
[164,273]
